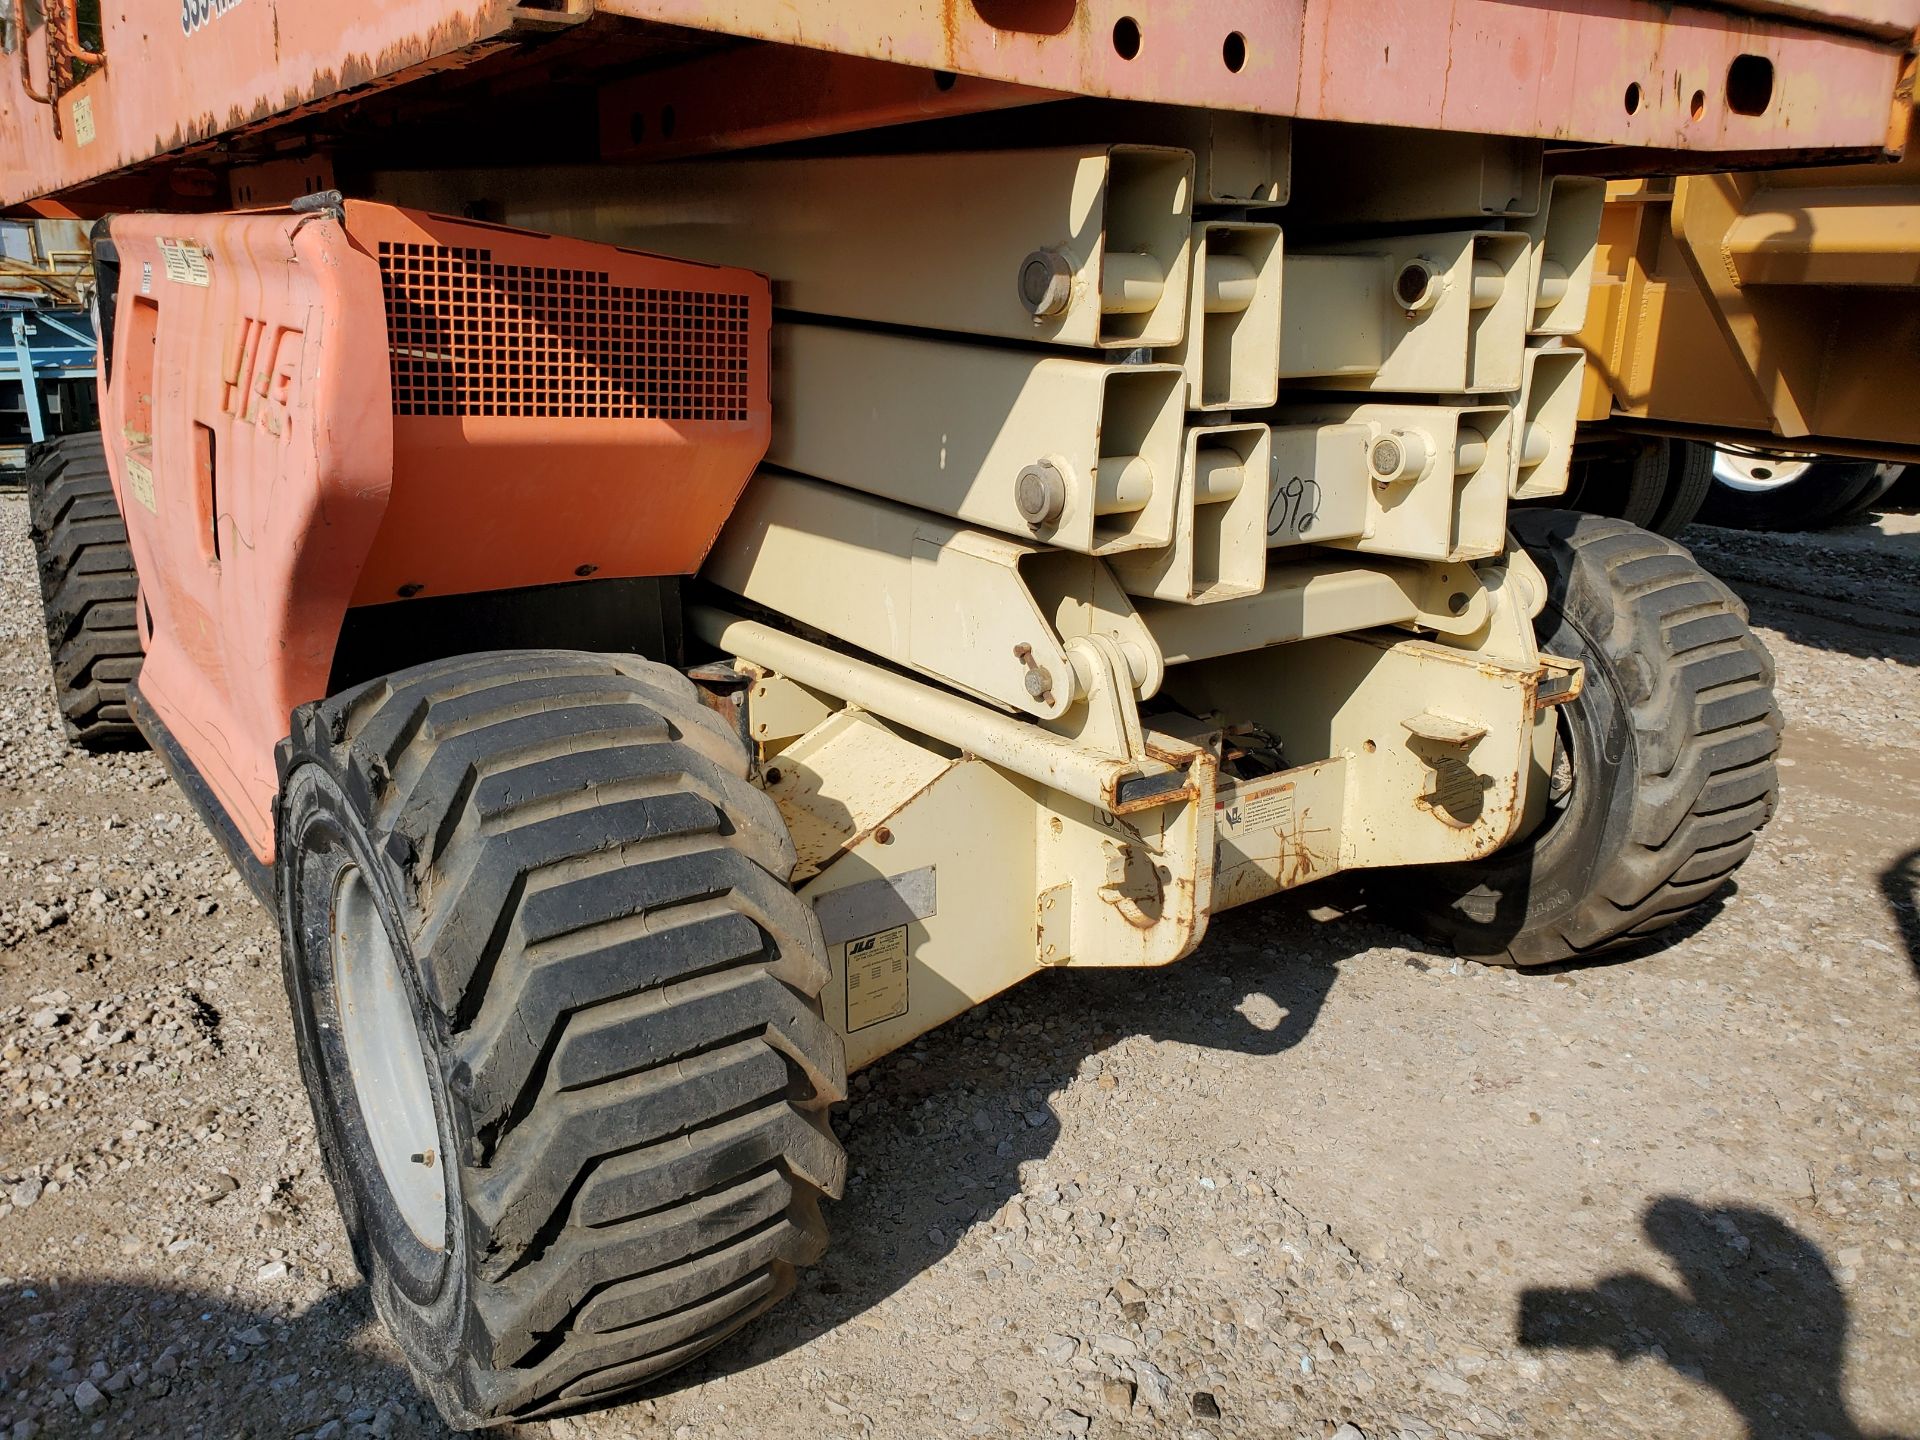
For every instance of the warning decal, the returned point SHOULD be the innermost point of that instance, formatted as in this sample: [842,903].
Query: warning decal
[140,481]
[185,262]
[876,978]
[1257,806]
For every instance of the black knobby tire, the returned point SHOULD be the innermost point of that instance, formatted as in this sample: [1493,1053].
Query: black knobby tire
[88,590]
[1689,479]
[618,999]
[1829,493]
[1671,747]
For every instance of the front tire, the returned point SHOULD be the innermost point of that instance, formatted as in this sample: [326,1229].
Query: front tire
[547,874]
[1669,756]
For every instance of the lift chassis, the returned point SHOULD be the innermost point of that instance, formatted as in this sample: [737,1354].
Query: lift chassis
[682,546]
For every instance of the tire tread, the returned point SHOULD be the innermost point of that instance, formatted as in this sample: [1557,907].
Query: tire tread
[630,993]
[1697,686]
[88,589]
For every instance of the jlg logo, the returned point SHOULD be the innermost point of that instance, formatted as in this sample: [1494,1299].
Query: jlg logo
[862,947]
[262,375]
[195,13]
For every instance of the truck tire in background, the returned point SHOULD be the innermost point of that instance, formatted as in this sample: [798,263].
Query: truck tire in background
[1689,479]
[88,589]
[1656,484]
[1664,770]
[558,1014]
[1766,490]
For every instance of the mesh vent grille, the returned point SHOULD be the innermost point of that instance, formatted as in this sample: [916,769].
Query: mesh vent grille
[473,336]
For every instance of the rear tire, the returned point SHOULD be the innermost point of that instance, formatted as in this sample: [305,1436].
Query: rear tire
[1656,484]
[1819,495]
[1689,479]
[622,1069]
[88,590]
[1627,479]
[1671,748]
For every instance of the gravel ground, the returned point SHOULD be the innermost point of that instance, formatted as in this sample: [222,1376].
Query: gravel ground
[1316,1181]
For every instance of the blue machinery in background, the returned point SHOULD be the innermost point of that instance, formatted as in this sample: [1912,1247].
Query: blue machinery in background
[40,349]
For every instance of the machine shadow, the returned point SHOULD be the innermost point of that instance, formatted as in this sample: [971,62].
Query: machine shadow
[1900,884]
[1759,1316]
[1869,610]
[229,1370]
[1367,895]
[938,1135]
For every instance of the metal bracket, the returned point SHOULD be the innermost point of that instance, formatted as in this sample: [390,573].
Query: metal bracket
[1560,681]
[1110,722]
[1457,793]
[555,15]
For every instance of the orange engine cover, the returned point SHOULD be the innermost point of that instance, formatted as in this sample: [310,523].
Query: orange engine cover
[560,408]
[305,414]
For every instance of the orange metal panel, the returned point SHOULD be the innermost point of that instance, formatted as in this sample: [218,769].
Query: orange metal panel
[249,435]
[177,73]
[304,414]
[562,408]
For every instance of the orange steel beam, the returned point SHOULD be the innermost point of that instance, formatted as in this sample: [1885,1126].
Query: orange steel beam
[769,95]
[1625,72]
[1641,73]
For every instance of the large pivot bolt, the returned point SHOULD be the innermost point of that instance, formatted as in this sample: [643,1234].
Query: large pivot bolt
[1403,455]
[1040,493]
[1046,284]
[1418,285]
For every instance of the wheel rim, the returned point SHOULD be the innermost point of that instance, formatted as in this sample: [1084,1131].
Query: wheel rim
[388,1068]
[1757,471]
[1561,778]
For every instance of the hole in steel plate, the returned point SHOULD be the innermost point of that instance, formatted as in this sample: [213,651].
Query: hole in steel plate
[1750,84]
[944,80]
[1234,52]
[1029,17]
[1699,105]
[1633,97]
[1126,37]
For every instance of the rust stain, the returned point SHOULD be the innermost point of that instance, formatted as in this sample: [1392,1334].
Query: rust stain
[1299,862]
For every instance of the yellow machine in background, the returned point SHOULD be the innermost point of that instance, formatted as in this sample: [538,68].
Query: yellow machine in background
[1771,316]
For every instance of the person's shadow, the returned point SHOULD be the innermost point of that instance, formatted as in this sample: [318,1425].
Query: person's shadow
[1760,1318]
[1900,884]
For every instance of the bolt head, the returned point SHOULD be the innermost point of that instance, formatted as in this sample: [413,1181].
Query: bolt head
[1400,456]
[1046,284]
[1417,285]
[1038,683]
[1040,493]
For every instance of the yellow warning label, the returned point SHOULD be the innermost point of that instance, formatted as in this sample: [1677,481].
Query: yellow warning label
[140,482]
[876,978]
[186,263]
